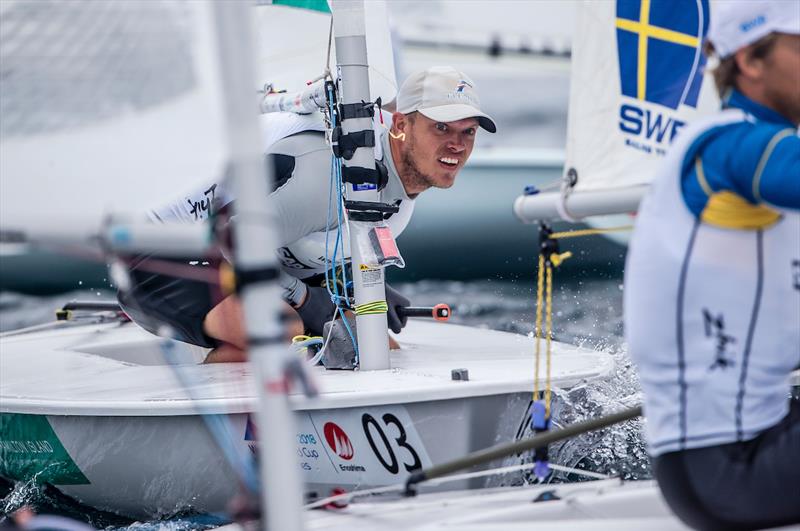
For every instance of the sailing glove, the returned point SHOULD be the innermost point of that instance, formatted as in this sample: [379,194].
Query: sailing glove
[316,310]
[394,317]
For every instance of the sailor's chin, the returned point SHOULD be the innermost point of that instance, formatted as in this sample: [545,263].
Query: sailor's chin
[445,181]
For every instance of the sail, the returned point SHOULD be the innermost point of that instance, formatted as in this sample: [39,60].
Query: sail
[107,107]
[293,45]
[638,78]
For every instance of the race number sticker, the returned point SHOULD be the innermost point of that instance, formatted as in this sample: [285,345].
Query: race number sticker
[362,446]
[355,446]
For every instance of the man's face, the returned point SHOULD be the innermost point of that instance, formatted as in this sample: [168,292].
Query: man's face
[781,76]
[434,152]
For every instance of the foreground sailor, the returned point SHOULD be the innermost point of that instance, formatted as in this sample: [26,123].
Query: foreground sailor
[432,135]
[712,286]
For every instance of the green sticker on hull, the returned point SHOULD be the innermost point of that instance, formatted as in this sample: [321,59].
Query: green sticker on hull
[30,449]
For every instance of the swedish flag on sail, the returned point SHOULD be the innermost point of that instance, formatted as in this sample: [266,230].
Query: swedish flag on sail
[659,43]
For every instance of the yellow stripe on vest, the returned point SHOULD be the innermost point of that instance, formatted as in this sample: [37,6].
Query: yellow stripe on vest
[780,135]
[731,211]
[701,177]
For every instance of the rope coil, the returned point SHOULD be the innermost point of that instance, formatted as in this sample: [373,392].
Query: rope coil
[372,308]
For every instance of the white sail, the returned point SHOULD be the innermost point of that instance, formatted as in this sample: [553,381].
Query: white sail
[638,78]
[107,108]
[293,47]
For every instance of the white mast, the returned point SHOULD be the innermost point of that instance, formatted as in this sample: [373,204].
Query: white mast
[257,272]
[353,69]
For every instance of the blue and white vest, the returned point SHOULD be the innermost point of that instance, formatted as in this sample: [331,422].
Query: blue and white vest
[712,307]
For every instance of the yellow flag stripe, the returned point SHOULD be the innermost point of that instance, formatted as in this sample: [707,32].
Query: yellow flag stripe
[646,31]
[644,19]
[658,33]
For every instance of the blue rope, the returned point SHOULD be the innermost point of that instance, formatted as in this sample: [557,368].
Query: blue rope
[330,266]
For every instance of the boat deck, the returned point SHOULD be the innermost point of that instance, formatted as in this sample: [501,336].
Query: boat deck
[114,369]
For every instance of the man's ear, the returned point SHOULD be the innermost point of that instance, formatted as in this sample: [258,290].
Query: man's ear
[399,121]
[749,66]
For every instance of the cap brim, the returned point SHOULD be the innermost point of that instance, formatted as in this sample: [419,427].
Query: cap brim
[459,111]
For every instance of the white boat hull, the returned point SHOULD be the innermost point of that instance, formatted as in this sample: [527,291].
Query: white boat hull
[96,411]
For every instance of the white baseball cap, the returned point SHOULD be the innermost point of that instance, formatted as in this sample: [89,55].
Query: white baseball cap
[738,23]
[443,94]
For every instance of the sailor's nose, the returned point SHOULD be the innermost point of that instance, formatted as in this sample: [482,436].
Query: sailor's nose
[456,146]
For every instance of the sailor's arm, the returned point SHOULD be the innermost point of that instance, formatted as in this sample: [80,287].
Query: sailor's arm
[225,321]
[301,170]
[771,173]
[299,203]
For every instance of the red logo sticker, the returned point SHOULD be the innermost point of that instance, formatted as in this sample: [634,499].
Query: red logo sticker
[338,441]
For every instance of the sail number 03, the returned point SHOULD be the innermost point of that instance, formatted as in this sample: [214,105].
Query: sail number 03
[387,455]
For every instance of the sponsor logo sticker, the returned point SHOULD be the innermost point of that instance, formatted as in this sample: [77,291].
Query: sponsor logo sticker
[29,448]
[338,441]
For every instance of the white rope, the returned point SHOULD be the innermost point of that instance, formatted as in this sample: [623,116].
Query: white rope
[347,496]
[35,328]
[579,472]
[481,473]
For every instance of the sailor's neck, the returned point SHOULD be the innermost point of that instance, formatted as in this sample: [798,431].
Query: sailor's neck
[734,99]
[394,160]
[391,157]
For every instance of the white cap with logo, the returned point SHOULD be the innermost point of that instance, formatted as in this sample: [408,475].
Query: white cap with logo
[443,94]
[737,23]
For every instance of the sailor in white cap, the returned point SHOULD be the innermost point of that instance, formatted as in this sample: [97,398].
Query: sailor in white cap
[712,285]
[431,137]
[434,127]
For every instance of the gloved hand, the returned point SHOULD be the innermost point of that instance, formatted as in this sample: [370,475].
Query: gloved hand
[316,310]
[395,300]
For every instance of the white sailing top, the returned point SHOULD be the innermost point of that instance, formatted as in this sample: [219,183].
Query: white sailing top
[712,313]
[302,160]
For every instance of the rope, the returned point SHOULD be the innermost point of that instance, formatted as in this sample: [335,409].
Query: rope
[372,308]
[341,301]
[544,291]
[349,496]
[579,472]
[549,257]
[302,337]
[549,317]
[540,440]
[538,328]
[588,232]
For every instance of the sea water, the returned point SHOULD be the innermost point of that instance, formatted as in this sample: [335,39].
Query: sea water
[586,312]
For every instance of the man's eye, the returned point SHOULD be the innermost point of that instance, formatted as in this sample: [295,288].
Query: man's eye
[441,127]
[470,132]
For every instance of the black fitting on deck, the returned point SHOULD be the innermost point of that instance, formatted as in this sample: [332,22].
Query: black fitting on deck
[547,245]
[369,211]
[364,109]
[356,175]
[344,145]
[416,477]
